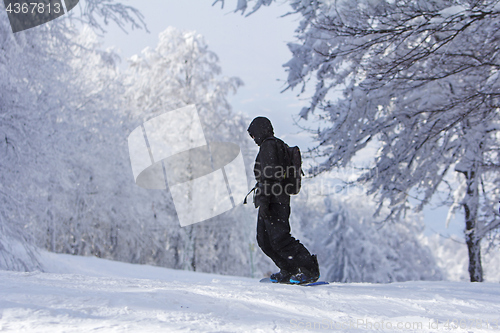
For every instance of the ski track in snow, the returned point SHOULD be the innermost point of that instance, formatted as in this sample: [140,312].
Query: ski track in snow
[82,294]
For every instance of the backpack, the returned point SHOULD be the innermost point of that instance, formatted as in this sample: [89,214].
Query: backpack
[292,162]
[293,173]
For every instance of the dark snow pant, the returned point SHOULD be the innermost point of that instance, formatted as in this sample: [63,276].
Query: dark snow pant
[275,240]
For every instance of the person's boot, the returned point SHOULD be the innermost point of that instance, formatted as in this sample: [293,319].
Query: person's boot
[281,277]
[315,268]
[306,275]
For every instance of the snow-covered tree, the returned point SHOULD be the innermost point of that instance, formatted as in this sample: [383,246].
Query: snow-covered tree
[182,70]
[47,109]
[451,256]
[419,79]
[242,5]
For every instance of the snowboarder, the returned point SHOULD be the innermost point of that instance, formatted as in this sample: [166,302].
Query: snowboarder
[295,262]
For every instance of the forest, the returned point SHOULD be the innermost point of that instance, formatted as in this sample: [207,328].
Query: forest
[419,85]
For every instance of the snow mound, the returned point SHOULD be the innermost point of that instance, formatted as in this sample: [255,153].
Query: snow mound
[107,296]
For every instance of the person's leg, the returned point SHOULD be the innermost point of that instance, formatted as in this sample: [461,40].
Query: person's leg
[289,249]
[264,243]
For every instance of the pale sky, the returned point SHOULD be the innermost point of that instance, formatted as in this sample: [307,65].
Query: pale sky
[252,48]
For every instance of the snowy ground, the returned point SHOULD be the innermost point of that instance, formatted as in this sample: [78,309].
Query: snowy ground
[89,294]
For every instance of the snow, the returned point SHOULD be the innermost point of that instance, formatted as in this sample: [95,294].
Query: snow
[453,10]
[81,294]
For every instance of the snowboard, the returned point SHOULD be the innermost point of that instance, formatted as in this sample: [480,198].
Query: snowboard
[317,283]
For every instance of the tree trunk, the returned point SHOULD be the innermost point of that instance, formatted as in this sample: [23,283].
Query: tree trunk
[475,267]
[470,204]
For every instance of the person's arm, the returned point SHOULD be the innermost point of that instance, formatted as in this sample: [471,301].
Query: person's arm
[271,170]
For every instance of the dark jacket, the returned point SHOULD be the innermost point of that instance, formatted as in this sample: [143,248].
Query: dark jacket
[269,165]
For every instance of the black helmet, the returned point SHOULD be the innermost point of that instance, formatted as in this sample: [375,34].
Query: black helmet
[260,128]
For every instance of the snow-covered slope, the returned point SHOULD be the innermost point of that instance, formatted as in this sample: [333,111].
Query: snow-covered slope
[84,294]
